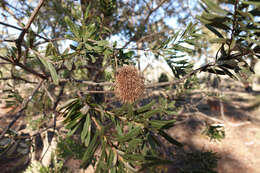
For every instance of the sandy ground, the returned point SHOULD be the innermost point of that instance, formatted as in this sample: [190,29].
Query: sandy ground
[239,151]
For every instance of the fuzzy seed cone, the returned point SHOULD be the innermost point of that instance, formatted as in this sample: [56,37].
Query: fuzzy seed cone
[129,84]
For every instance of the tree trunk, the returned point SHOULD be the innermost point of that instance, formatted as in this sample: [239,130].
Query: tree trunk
[94,74]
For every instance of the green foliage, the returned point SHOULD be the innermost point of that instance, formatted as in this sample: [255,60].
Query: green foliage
[241,27]
[57,167]
[214,132]
[11,96]
[175,50]
[127,136]
[49,66]
[68,147]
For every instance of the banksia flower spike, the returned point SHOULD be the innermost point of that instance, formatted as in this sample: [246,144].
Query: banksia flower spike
[129,84]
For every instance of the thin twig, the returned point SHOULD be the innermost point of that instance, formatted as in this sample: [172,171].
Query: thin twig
[13,15]
[145,21]
[181,79]
[22,109]
[147,86]
[20,29]
[25,68]
[17,78]
[11,26]
[11,6]
[25,29]
[87,82]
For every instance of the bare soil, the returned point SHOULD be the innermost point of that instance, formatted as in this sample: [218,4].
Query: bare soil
[239,151]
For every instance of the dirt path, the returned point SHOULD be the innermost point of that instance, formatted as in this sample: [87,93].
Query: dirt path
[239,151]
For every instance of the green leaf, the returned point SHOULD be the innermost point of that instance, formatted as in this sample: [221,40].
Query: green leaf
[91,149]
[233,44]
[68,103]
[187,30]
[110,158]
[133,144]
[228,72]
[85,129]
[134,157]
[220,25]
[215,71]
[72,26]
[119,130]
[255,12]
[145,107]
[130,135]
[48,49]
[215,18]
[214,31]
[170,139]
[87,139]
[153,141]
[147,115]
[162,124]
[214,7]
[218,40]
[75,121]
[182,48]
[102,43]
[88,46]
[93,59]
[71,132]
[251,3]
[50,67]
[86,15]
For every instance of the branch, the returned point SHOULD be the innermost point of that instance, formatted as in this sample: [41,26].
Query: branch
[181,79]
[11,26]
[145,21]
[151,35]
[22,109]
[27,26]
[147,86]
[87,82]
[17,78]
[5,63]
[20,29]
[12,13]
[25,68]
[99,91]
[11,6]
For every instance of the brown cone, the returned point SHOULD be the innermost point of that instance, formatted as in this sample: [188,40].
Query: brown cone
[129,84]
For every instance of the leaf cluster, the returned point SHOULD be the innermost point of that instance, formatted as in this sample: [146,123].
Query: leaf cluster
[124,139]
[239,23]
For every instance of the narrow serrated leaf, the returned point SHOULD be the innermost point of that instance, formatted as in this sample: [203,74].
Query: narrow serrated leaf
[49,66]
[130,135]
[91,149]
[214,31]
[170,139]
[145,107]
[84,131]
[214,7]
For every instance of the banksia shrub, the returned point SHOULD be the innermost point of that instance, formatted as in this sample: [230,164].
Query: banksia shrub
[129,84]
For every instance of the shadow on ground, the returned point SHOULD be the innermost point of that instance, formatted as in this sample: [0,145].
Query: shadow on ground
[239,151]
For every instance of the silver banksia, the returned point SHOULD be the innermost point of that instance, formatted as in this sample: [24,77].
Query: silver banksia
[129,84]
